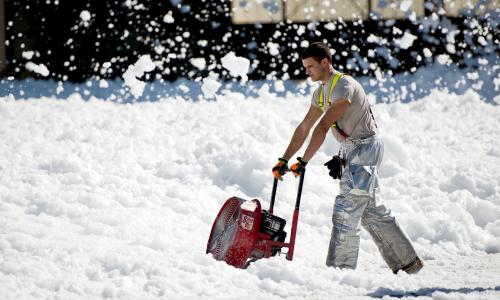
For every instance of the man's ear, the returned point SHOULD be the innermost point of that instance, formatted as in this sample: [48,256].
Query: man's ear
[324,62]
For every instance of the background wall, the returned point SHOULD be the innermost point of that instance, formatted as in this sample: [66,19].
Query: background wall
[83,40]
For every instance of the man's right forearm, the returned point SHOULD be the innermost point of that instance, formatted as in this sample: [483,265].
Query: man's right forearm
[298,139]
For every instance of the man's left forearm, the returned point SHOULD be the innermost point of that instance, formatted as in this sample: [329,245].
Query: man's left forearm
[333,114]
[317,139]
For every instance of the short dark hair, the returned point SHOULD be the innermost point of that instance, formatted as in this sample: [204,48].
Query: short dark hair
[318,51]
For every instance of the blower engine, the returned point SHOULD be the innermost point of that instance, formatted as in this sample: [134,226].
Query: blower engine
[243,233]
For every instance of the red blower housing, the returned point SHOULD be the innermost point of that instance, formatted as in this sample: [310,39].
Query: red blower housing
[243,233]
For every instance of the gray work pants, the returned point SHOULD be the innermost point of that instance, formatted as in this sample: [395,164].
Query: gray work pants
[358,203]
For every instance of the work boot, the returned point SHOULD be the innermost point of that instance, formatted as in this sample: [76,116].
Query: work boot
[413,267]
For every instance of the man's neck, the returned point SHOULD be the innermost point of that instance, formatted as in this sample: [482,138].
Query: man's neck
[327,75]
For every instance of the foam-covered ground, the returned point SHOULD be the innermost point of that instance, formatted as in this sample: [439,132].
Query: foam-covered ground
[105,200]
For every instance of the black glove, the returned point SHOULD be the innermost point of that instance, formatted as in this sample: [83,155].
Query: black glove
[336,166]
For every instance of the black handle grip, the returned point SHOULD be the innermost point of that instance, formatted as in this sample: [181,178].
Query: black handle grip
[299,192]
[273,195]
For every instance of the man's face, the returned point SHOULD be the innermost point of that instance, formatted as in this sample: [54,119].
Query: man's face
[315,69]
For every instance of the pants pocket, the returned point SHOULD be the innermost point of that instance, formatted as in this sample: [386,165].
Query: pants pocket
[363,179]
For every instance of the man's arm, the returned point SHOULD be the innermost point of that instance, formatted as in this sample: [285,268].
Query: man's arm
[333,114]
[302,131]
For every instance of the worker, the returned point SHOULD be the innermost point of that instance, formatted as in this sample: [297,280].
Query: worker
[341,103]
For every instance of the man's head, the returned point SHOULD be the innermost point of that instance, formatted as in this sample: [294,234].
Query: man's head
[317,59]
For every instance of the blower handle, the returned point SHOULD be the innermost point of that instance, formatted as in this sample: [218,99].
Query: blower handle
[295,218]
[273,196]
[299,192]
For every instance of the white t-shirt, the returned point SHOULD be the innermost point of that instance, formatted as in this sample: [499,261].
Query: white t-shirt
[357,121]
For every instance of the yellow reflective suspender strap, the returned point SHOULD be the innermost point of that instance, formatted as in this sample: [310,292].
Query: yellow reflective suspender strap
[322,106]
[332,86]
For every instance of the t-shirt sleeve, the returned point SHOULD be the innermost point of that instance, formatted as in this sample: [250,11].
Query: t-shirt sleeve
[315,98]
[344,89]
